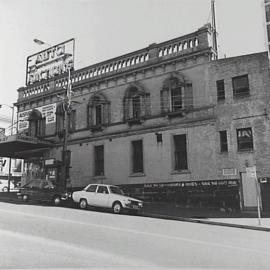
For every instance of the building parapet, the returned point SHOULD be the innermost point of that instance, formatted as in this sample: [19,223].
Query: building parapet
[154,53]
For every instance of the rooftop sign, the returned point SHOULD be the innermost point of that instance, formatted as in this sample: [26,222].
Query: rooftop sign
[51,62]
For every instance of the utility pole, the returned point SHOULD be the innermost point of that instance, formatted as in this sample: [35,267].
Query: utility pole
[213,13]
[65,152]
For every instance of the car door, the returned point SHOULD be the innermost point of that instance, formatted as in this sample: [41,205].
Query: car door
[89,193]
[34,189]
[102,196]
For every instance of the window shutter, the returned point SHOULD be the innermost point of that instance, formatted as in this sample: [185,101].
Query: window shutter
[90,116]
[126,108]
[129,108]
[165,100]
[188,96]
[147,105]
[106,113]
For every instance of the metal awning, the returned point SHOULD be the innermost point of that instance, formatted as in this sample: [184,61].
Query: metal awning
[22,146]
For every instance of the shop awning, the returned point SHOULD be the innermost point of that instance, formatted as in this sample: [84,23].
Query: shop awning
[22,146]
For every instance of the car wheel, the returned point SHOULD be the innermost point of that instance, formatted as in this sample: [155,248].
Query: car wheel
[83,204]
[25,198]
[5,189]
[117,207]
[56,201]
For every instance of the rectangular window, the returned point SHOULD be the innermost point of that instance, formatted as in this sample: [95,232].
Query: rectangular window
[137,156]
[244,139]
[220,90]
[99,160]
[240,86]
[180,152]
[176,99]
[223,141]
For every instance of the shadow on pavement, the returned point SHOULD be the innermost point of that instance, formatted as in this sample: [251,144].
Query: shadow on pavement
[165,209]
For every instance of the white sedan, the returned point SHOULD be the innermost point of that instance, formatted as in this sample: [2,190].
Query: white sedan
[106,196]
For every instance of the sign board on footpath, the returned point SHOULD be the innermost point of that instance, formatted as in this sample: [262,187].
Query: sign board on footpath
[251,172]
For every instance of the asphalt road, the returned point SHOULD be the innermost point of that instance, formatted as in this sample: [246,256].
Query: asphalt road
[34,237]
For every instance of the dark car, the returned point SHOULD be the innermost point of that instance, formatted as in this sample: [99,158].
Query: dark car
[43,190]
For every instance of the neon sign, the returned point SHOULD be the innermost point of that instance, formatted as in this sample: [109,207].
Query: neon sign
[51,62]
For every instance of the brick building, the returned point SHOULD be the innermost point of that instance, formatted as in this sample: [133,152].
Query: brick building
[169,123]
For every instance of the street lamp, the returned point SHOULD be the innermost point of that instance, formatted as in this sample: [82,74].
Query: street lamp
[67,107]
[40,42]
[11,133]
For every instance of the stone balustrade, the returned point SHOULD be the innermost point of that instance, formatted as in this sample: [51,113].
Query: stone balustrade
[141,58]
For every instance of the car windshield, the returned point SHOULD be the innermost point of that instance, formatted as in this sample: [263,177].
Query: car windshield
[116,190]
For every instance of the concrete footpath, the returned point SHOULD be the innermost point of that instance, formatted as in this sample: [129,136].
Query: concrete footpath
[218,217]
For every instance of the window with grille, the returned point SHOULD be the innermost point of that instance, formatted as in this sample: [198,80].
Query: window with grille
[137,156]
[223,141]
[220,90]
[180,152]
[99,160]
[176,98]
[244,139]
[176,95]
[98,111]
[136,106]
[240,86]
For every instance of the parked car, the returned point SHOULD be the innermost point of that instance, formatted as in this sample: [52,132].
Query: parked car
[106,196]
[43,190]
[4,185]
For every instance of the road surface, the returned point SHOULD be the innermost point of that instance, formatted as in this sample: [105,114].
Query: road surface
[40,236]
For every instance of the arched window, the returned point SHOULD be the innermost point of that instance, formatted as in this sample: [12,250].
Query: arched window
[98,112]
[60,118]
[176,95]
[136,104]
[37,124]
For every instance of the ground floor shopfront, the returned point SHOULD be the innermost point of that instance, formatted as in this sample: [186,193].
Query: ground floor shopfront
[222,194]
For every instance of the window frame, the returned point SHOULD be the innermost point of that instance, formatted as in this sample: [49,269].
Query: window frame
[220,86]
[240,91]
[179,153]
[137,161]
[99,160]
[104,187]
[174,99]
[87,189]
[250,141]
[223,139]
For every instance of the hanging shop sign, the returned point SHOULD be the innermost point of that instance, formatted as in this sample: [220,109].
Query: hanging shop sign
[51,62]
[47,112]
[208,183]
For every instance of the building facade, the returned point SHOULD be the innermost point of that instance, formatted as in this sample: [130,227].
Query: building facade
[169,123]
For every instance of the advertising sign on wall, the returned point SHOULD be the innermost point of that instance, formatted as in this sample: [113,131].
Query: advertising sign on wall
[47,112]
[49,63]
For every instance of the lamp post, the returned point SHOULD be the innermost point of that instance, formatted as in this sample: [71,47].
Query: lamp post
[66,106]
[11,133]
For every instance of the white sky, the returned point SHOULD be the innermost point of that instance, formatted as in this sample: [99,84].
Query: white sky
[104,29]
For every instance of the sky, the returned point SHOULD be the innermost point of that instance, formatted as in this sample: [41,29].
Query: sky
[104,29]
